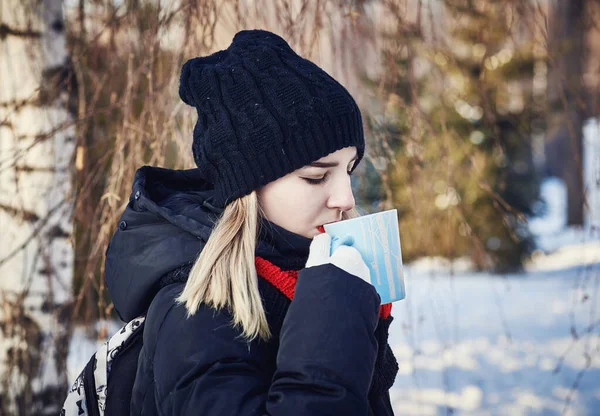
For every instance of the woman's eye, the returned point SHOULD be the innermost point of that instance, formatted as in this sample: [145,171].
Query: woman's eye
[323,179]
[316,181]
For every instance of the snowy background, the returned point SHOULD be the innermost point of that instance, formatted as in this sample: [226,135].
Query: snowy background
[523,344]
[518,344]
[476,344]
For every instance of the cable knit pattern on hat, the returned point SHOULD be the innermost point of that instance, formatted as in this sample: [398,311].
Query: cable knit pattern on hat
[263,112]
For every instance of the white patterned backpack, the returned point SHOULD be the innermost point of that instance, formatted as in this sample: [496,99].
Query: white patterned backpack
[94,392]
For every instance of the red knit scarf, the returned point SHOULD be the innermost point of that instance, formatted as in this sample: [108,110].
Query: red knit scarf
[285,281]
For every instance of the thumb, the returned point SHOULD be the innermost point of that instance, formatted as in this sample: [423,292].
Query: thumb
[319,250]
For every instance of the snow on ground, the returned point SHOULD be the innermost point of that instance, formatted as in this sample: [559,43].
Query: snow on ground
[474,343]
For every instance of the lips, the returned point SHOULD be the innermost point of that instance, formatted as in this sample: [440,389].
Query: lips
[321,228]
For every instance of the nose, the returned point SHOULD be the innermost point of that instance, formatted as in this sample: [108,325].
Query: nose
[341,196]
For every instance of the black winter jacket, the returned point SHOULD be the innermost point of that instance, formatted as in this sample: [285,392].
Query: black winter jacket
[321,358]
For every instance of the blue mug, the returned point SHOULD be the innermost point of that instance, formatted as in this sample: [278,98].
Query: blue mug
[377,238]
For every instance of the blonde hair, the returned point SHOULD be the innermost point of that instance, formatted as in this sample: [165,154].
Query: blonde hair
[224,274]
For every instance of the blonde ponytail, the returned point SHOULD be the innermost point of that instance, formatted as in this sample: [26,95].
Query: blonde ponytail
[224,275]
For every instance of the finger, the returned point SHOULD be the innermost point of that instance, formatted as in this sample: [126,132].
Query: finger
[346,240]
[319,250]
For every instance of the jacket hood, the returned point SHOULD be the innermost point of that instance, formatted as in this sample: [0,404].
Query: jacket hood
[169,218]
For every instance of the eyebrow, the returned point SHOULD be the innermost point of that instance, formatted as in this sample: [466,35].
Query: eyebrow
[329,164]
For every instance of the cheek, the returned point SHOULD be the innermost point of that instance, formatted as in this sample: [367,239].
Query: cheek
[307,207]
[290,197]
[295,207]
[299,205]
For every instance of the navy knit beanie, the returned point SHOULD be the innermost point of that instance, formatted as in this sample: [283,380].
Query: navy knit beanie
[263,112]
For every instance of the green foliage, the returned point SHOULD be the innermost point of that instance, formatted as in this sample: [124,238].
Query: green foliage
[457,137]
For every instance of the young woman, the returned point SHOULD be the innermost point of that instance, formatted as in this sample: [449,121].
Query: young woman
[247,311]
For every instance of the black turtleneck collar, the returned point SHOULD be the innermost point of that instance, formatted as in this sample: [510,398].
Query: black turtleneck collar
[286,250]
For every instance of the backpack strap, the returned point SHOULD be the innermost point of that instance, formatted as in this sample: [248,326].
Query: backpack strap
[100,375]
[105,356]
[89,387]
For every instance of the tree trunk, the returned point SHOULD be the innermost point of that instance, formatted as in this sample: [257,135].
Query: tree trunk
[563,149]
[36,253]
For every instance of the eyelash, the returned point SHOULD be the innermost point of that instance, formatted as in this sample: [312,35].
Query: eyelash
[321,180]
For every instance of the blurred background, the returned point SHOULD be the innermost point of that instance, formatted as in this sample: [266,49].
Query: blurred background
[483,131]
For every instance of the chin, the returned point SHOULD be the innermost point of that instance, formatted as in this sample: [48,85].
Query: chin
[304,234]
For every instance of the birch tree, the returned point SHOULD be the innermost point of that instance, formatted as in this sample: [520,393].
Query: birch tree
[36,254]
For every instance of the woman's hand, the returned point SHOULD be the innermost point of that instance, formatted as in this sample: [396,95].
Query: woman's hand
[345,257]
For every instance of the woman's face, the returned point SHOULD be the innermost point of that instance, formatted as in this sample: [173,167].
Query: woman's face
[311,196]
